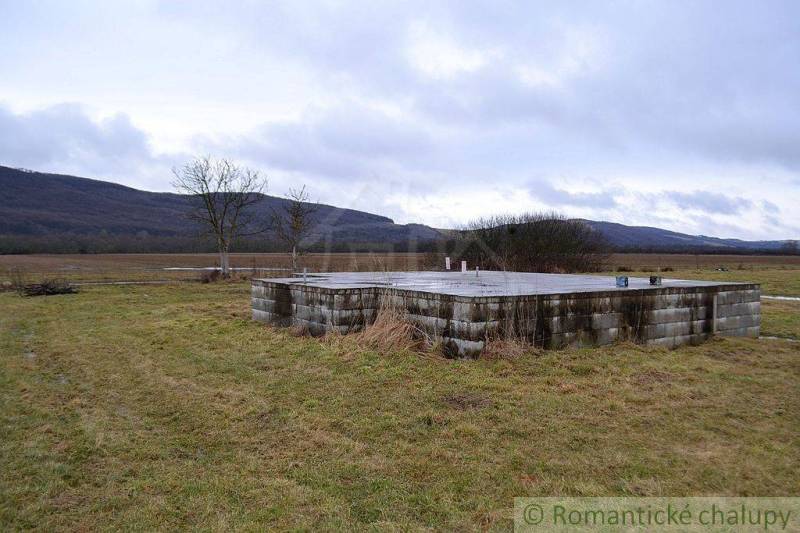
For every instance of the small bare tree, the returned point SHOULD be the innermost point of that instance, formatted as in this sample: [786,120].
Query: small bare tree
[223,193]
[293,220]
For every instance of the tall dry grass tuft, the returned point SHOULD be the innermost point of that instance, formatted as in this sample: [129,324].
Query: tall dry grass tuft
[392,331]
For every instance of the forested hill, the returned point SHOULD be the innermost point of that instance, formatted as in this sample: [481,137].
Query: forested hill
[42,212]
[54,212]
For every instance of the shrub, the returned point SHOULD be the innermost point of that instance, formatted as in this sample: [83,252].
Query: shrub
[531,242]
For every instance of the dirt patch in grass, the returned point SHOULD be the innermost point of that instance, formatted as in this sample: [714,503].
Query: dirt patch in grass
[467,400]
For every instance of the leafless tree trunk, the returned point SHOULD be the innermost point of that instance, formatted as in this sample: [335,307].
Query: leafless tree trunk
[293,221]
[223,193]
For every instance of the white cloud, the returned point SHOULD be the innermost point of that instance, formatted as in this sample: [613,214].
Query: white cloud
[675,114]
[439,56]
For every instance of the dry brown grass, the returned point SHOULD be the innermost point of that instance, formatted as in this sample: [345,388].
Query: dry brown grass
[508,348]
[314,262]
[393,331]
[128,267]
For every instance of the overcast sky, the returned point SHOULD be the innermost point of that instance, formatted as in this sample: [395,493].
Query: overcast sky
[682,115]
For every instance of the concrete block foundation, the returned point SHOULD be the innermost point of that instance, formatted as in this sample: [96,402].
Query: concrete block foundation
[464,310]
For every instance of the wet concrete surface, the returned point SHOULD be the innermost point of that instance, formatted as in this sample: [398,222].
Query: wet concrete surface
[485,283]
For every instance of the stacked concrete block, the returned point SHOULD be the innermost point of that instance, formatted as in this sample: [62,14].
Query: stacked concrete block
[663,315]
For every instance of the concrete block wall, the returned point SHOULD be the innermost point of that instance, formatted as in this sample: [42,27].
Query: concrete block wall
[668,316]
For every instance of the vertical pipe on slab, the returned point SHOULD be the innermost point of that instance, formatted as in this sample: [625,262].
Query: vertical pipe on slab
[447,263]
[305,274]
[476,272]
[463,266]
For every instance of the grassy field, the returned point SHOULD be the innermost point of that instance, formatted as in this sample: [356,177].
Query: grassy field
[780,274]
[164,407]
[150,267]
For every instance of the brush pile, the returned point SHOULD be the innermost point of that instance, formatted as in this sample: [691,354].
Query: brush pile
[47,287]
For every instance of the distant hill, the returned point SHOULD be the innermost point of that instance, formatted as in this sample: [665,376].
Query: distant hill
[42,212]
[655,239]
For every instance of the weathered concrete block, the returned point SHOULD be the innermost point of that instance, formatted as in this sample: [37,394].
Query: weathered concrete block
[738,296]
[353,317]
[261,316]
[679,314]
[737,322]
[455,347]
[607,336]
[744,308]
[606,321]
[321,315]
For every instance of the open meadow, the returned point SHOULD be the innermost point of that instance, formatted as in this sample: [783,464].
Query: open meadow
[779,275]
[164,406]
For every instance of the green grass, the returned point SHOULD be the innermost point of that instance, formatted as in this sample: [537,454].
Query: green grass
[164,407]
[780,319]
[774,281]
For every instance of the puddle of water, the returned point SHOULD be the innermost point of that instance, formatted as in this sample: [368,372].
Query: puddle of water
[789,298]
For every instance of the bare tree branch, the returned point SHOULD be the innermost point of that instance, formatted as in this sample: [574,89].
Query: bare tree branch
[293,221]
[223,193]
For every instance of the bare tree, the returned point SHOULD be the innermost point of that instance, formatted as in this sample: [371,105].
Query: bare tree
[293,220]
[223,193]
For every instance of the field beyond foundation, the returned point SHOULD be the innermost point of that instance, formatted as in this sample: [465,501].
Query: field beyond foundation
[165,407]
[778,274]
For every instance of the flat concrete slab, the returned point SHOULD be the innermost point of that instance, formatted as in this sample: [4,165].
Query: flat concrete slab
[465,310]
[484,283]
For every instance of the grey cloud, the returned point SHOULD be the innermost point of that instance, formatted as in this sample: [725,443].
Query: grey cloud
[708,202]
[347,142]
[769,207]
[548,194]
[63,138]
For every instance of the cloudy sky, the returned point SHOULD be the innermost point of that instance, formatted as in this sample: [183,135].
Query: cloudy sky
[683,115]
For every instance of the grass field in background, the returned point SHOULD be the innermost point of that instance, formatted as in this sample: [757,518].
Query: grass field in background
[779,274]
[164,407]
